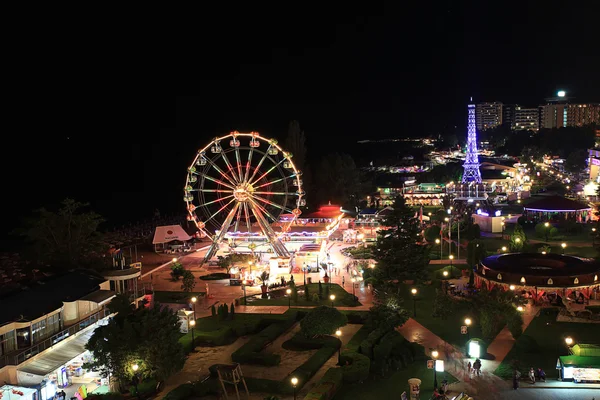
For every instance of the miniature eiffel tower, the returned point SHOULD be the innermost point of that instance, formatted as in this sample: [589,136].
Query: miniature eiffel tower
[232,374]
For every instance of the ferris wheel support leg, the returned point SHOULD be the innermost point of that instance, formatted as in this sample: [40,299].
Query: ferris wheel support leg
[224,228]
[278,247]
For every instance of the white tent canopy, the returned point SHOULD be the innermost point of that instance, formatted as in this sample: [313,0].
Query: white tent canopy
[169,233]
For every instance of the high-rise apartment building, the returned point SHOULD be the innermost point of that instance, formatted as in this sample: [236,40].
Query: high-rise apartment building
[488,115]
[526,119]
[583,114]
[508,114]
[553,116]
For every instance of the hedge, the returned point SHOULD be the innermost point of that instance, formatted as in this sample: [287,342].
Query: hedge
[299,342]
[250,353]
[307,370]
[357,367]
[327,387]
[197,389]
[367,345]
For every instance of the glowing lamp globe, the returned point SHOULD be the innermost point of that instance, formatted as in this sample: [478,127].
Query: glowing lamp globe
[561,93]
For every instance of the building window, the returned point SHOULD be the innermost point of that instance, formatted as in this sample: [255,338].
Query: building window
[7,343]
[38,331]
[23,338]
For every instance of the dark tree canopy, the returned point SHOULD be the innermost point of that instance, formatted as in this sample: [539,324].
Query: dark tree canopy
[339,180]
[399,253]
[322,321]
[66,238]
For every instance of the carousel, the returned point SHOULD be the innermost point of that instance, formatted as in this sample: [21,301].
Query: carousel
[556,208]
[541,277]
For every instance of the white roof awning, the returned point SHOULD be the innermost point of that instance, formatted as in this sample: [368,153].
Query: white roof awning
[60,354]
[168,233]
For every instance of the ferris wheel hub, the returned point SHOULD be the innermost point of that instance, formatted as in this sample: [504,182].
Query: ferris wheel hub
[243,192]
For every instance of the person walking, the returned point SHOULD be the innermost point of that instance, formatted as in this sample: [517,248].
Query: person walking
[516,376]
[343,280]
[531,376]
[469,368]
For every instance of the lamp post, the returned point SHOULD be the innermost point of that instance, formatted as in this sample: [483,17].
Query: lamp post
[569,342]
[434,355]
[338,333]
[414,294]
[547,225]
[332,298]
[504,249]
[438,241]
[304,271]
[445,273]
[244,289]
[593,237]
[250,265]
[194,300]
[468,324]
[192,325]
[451,257]
[294,384]
[289,295]
[135,379]
[564,246]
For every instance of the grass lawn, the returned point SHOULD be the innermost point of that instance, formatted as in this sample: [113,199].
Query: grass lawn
[342,298]
[393,386]
[448,329]
[543,342]
[176,297]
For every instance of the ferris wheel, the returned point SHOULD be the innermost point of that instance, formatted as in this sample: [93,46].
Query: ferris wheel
[239,185]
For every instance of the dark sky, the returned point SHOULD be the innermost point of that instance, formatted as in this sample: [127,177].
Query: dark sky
[117,126]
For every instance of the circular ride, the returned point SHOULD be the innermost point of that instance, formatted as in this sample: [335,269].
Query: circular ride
[238,186]
[537,273]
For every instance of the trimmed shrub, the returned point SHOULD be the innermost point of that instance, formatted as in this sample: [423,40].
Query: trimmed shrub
[328,386]
[527,344]
[250,353]
[366,346]
[213,310]
[181,392]
[301,343]
[357,368]
[219,337]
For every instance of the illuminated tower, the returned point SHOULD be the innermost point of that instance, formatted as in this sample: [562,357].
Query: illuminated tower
[471,165]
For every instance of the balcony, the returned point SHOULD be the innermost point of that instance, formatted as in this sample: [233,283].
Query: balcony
[18,356]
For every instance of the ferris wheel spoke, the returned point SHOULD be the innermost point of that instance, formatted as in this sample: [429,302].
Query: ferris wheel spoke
[219,170]
[247,215]
[275,193]
[227,223]
[248,164]
[264,210]
[260,163]
[211,190]
[220,182]
[275,181]
[268,171]
[260,219]
[216,201]
[219,210]
[239,164]
[237,218]
[271,203]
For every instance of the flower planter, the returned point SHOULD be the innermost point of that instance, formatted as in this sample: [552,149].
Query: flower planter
[326,279]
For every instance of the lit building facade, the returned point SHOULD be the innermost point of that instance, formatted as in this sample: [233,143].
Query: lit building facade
[583,114]
[526,119]
[553,116]
[488,115]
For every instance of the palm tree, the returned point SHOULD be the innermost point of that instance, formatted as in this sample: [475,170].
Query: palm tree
[264,280]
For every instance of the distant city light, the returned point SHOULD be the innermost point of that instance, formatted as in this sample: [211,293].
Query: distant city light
[561,93]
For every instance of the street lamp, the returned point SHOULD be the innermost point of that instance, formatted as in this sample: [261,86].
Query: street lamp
[194,300]
[435,355]
[250,264]
[445,273]
[294,384]
[174,259]
[451,257]
[593,237]
[193,324]
[332,298]
[135,379]
[504,248]
[289,294]
[135,367]
[338,333]
[547,225]
[414,293]
[512,287]
[520,309]
[438,241]
[564,246]
[468,323]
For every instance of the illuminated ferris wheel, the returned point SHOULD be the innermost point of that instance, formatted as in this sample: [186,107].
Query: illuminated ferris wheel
[239,185]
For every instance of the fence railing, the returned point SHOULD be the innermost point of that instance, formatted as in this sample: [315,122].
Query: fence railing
[18,358]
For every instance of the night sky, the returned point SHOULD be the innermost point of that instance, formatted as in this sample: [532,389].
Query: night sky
[119,131]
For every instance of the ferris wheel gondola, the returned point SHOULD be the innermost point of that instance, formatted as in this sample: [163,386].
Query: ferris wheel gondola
[245,187]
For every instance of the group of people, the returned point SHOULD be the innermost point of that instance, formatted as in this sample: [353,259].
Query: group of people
[533,375]
[476,367]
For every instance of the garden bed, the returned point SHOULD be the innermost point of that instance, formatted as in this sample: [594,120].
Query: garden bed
[279,298]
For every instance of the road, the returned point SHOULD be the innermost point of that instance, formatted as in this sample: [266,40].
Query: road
[549,394]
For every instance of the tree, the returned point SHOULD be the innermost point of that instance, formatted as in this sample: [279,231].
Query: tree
[322,321]
[398,252]
[443,305]
[231,260]
[517,239]
[295,143]
[575,162]
[66,238]
[387,316]
[188,282]
[339,180]
[515,325]
[148,337]
[121,306]
[476,252]
[177,271]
